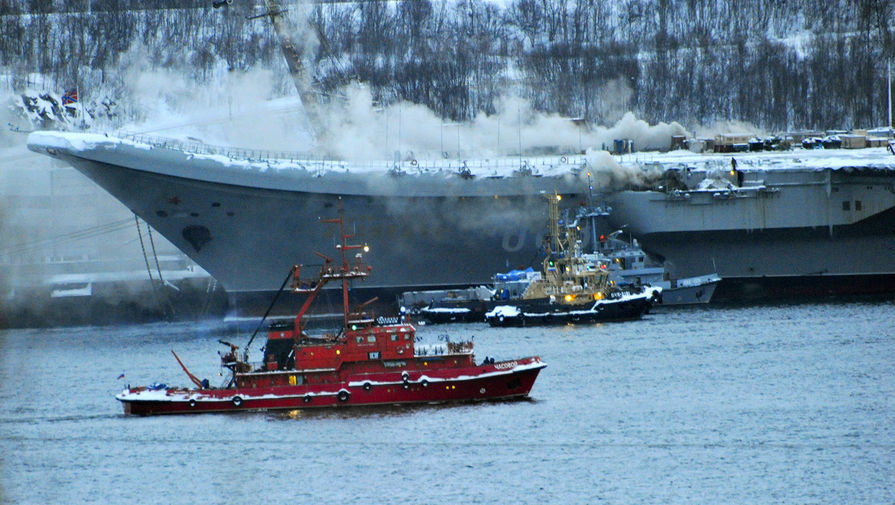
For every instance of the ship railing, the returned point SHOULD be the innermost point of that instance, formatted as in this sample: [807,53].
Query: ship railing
[498,167]
[236,153]
[484,167]
[736,192]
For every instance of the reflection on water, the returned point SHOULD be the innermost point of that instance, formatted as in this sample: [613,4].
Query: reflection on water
[773,404]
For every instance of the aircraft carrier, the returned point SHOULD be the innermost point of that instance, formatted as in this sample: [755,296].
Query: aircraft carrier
[775,224]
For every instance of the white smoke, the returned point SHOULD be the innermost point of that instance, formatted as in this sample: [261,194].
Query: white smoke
[728,126]
[300,32]
[242,109]
[260,109]
[607,173]
[358,129]
[646,137]
[234,108]
[614,99]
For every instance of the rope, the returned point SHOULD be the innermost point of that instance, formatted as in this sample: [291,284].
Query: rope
[158,269]
[148,268]
[209,292]
[143,248]
[83,234]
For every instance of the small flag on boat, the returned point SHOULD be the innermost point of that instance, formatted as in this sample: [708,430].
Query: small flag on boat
[121,376]
[70,96]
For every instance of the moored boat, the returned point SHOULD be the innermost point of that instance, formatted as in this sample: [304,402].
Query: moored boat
[573,287]
[368,361]
[630,265]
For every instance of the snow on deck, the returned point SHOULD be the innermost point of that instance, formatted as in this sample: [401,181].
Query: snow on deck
[869,157]
[264,160]
[559,165]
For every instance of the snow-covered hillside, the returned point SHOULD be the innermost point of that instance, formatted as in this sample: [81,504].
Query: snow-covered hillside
[777,65]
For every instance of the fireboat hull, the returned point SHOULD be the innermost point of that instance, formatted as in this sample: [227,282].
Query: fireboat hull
[502,380]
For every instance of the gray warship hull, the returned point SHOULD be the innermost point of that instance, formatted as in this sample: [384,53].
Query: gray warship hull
[778,233]
[247,221]
[247,224]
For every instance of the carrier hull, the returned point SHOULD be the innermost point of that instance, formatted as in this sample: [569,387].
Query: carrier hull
[783,235]
[241,225]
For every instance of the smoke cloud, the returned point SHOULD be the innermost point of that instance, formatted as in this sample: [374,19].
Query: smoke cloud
[728,126]
[246,109]
[607,173]
[260,109]
[234,108]
[615,98]
[357,129]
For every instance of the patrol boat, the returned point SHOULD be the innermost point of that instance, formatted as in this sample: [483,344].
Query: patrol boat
[369,361]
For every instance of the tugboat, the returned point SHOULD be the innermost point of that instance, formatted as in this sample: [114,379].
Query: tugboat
[369,361]
[573,287]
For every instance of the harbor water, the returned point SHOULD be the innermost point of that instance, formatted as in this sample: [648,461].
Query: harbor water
[759,404]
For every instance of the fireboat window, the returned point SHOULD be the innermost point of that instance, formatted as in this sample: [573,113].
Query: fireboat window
[371,339]
[394,338]
[360,340]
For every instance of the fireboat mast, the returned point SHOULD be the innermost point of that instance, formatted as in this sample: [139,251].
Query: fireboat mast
[346,273]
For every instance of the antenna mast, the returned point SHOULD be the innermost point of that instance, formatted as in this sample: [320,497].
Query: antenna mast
[346,271]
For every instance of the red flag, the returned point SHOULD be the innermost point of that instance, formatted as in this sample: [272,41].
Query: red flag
[70,96]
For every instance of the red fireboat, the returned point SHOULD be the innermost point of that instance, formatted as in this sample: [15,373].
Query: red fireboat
[369,361]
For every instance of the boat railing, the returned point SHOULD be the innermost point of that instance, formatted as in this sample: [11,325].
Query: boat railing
[498,167]
[442,348]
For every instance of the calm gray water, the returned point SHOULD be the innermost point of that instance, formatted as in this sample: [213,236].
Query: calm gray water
[782,404]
